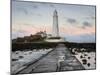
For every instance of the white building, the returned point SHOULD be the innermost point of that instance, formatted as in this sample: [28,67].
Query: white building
[55,31]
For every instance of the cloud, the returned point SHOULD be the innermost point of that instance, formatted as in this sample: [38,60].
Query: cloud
[51,5]
[28,12]
[71,20]
[76,30]
[22,31]
[23,10]
[86,24]
[35,6]
[38,14]
[89,17]
[92,17]
[27,24]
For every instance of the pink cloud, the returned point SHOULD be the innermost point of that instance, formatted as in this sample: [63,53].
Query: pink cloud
[70,30]
[29,29]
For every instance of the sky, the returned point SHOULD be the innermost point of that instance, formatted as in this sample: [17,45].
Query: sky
[76,22]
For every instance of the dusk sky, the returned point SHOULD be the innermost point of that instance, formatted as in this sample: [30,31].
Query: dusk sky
[76,22]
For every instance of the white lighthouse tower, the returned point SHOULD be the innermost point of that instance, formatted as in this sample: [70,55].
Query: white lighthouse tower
[55,31]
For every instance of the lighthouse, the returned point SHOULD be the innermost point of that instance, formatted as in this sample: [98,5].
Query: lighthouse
[55,29]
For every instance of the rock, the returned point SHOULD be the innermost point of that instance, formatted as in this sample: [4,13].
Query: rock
[88,64]
[84,61]
[89,57]
[95,59]
[14,59]
[94,62]
[85,54]
[21,57]
[30,52]
[81,56]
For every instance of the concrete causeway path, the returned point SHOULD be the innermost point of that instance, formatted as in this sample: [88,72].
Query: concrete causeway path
[59,59]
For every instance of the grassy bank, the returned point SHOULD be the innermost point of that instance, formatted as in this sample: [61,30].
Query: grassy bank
[41,45]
